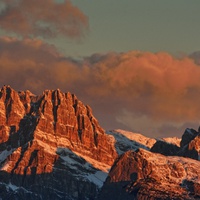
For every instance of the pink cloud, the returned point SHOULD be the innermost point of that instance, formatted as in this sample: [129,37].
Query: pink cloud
[44,18]
[31,63]
[148,89]
[138,91]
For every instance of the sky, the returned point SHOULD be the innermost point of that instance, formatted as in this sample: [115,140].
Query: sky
[136,63]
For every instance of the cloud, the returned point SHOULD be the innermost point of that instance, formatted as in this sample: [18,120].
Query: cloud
[151,93]
[146,91]
[46,18]
[33,64]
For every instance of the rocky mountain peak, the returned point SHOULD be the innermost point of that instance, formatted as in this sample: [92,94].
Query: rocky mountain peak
[187,136]
[52,147]
[58,117]
[36,130]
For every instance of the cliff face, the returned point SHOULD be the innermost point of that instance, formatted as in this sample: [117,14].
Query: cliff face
[52,147]
[34,130]
[144,175]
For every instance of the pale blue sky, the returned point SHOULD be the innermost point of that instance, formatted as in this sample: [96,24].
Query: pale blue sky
[156,25]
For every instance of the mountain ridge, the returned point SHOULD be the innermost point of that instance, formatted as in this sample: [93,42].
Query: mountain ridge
[52,147]
[35,128]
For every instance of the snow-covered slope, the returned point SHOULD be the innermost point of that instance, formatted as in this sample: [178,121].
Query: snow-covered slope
[173,140]
[126,140]
[82,169]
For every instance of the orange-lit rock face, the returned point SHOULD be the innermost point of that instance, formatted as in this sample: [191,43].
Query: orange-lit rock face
[12,109]
[30,160]
[33,127]
[11,112]
[144,175]
[53,147]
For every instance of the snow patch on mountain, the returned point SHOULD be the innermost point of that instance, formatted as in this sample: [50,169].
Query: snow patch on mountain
[125,140]
[12,187]
[4,154]
[98,178]
[96,164]
[83,169]
[173,140]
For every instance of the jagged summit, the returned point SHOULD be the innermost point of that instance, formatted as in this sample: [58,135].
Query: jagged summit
[40,133]
[53,117]
[52,147]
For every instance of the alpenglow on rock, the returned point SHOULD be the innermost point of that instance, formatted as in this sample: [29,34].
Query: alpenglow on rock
[145,175]
[51,147]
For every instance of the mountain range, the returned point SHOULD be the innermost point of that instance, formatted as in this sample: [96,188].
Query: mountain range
[53,148]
